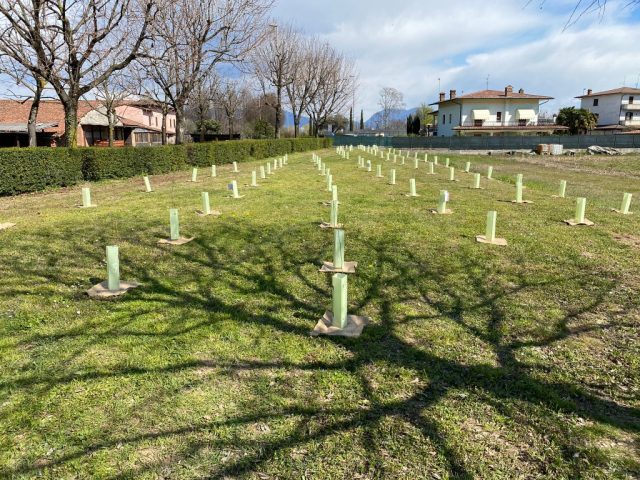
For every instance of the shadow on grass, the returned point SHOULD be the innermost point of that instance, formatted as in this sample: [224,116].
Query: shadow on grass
[399,276]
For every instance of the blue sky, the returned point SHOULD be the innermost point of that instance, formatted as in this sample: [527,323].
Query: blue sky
[410,44]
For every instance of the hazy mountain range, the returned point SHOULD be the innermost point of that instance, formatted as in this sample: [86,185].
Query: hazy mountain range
[372,122]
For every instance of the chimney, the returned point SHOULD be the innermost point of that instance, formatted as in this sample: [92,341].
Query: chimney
[589,91]
[521,90]
[442,96]
[508,90]
[452,94]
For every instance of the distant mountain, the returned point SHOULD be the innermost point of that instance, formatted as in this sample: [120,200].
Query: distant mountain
[288,120]
[396,115]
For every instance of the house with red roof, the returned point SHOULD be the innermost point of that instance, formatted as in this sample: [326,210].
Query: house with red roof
[493,112]
[138,122]
[618,110]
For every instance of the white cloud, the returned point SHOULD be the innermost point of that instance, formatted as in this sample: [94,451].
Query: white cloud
[411,44]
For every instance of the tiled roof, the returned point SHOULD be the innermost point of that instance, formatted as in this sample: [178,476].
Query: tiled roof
[615,91]
[50,112]
[496,94]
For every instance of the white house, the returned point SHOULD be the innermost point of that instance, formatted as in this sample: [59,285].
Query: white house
[493,112]
[617,109]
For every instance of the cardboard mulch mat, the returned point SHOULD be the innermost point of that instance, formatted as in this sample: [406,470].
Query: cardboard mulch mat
[327,225]
[447,211]
[101,290]
[496,241]
[214,213]
[347,267]
[4,226]
[573,222]
[355,325]
[179,241]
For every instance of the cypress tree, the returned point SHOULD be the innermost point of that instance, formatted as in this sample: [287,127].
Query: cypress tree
[409,124]
[361,120]
[416,125]
[351,119]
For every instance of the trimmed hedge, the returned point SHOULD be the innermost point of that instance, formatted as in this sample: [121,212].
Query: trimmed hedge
[102,163]
[25,170]
[31,169]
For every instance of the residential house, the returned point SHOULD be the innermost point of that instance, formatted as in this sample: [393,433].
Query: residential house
[617,110]
[493,112]
[138,123]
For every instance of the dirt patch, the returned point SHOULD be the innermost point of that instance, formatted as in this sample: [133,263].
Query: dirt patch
[631,240]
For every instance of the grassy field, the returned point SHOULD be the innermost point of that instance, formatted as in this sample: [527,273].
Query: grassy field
[480,362]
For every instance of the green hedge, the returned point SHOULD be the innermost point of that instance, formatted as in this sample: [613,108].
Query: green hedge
[31,169]
[25,170]
[102,163]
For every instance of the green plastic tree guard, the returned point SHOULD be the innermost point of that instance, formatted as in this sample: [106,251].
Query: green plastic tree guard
[490,233]
[476,180]
[113,268]
[412,187]
[489,172]
[452,174]
[334,193]
[442,202]
[415,162]
[254,178]
[174,223]
[263,174]
[392,176]
[275,164]
[206,206]
[214,173]
[426,157]
[235,167]
[581,205]
[194,174]
[324,170]
[338,248]
[431,170]
[562,190]
[334,214]
[281,162]
[379,171]
[234,188]
[446,162]
[339,300]
[368,165]
[518,192]
[519,178]
[269,169]
[329,182]
[86,197]
[626,204]
[435,160]
[147,184]
[467,167]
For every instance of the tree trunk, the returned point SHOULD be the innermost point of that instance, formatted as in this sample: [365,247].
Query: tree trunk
[112,127]
[179,126]
[71,122]
[164,125]
[296,128]
[33,114]
[278,111]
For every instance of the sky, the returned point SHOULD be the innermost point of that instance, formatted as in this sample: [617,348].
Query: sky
[417,45]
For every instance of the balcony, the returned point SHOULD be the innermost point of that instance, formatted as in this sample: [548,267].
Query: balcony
[542,122]
[631,123]
[631,106]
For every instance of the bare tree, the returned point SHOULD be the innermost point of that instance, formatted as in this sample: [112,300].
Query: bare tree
[390,100]
[306,69]
[192,36]
[274,61]
[231,97]
[74,44]
[583,8]
[30,81]
[201,100]
[111,93]
[336,84]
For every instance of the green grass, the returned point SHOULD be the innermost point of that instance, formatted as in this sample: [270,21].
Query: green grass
[480,362]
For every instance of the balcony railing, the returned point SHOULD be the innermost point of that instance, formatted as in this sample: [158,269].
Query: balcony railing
[631,106]
[631,123]
[512,124]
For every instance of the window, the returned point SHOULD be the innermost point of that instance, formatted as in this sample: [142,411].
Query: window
[444,119]
[630,100]
[450,117]
[156,121]
[628,116]
[595,102]
[477,123]
[522,123]
[499,116]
